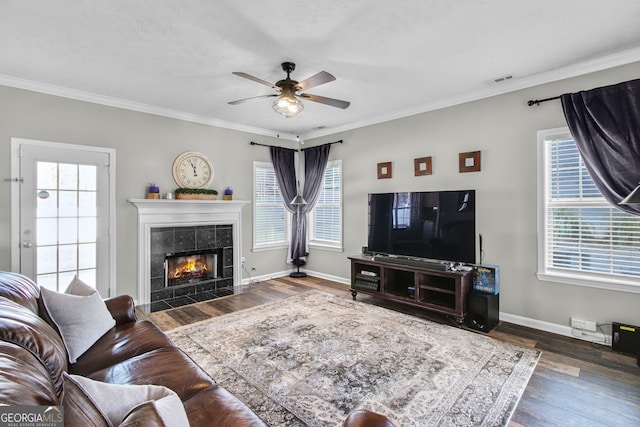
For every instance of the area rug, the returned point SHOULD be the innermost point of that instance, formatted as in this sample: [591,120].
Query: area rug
[311,359]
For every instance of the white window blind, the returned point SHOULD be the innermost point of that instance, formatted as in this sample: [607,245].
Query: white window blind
[583,234]
[326,217]
[269,214]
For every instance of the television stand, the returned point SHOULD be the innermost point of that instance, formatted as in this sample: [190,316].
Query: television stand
[433,289]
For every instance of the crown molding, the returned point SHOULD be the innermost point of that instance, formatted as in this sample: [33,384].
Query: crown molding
[94,98]
[518,83]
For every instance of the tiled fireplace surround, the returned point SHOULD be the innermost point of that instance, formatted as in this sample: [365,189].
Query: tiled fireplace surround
[190,238]
[183,225]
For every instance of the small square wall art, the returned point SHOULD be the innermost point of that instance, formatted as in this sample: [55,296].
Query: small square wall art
[469,162]
[384,170]
[422,166]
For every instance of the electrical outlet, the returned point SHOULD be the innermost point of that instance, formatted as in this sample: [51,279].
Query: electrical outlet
[243,260]
[585,325]
[577,323]
[590,325]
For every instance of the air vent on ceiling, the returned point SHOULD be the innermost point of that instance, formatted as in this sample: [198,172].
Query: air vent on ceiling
[503,78]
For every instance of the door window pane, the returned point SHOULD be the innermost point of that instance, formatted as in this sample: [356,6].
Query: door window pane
[68,230]
[49,281]
[87,230]
[68,176]
[47,175]
[87,255]
[47,231]
[87,204]
[47,259]
[68,257]
[47,207]
[68,203]
[87,177]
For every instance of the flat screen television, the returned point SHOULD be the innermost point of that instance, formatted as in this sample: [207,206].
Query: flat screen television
[438,225]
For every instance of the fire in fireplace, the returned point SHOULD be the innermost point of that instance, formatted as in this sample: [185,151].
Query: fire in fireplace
[192,266]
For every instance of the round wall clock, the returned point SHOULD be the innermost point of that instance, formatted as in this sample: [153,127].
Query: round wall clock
[192,170]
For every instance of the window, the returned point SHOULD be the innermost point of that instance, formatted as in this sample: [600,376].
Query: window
[582,238]
[269,215]
[325,220]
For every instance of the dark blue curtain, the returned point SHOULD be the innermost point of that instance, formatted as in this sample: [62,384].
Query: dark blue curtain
[605,124]
[284,166]
[315,162]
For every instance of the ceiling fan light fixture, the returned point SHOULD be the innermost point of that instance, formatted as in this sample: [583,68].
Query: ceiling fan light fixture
[287,104]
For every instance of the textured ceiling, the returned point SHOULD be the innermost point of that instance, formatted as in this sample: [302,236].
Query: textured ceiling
[391,59]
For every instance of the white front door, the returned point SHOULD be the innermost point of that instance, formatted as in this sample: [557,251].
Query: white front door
[65,214]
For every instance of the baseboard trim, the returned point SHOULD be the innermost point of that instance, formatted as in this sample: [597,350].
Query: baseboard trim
[342,280]
[255,279]
[554,328]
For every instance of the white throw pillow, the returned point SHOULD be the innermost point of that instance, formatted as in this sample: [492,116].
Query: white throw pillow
[166,412]
[114,403]
[78,287]
[81,320]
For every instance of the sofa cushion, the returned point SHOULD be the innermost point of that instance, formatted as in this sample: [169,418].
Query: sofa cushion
[167,366]
[215,406]
[81,320]
[23,379]
[19,289]
[22,327]
[90,402]
[118,344]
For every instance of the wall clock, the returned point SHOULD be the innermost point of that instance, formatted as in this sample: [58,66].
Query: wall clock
[192,170]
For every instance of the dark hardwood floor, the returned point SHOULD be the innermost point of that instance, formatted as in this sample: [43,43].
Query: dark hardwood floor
[575,383]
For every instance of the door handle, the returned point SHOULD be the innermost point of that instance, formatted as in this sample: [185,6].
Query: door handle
[27,244]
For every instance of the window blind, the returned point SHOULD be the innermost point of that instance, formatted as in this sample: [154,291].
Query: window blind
[269,212]
[584,233]
[327,214]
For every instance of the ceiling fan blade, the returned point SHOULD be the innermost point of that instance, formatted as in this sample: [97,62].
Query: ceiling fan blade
[253,98]
[316,80]
[255,79]
[324,100]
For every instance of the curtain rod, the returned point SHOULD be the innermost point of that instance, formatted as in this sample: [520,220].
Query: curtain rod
[265,145]
[540,101]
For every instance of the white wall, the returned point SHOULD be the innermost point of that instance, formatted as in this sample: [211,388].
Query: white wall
[145,148]
[502,127]
[505,129]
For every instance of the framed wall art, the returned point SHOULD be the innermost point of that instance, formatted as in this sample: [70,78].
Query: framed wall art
[469,162]
[384,170]
[422,166]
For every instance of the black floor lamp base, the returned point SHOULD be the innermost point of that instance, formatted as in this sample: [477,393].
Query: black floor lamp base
[298,274]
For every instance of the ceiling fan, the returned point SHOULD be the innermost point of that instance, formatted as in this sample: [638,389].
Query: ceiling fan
[288,103]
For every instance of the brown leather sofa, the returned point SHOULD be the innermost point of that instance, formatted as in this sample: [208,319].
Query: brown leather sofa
[33,359]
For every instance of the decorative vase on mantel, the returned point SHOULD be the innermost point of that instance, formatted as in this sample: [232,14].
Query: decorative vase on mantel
[228,193]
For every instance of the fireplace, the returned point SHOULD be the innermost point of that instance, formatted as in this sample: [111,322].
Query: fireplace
[192,267]
[190,264]
[173,226]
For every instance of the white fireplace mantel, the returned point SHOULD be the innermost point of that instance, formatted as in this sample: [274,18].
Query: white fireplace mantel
[153,213]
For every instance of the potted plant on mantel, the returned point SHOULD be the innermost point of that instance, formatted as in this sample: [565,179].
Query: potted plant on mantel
[196,194]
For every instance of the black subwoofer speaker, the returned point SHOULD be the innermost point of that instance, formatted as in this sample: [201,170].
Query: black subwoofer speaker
[483,311]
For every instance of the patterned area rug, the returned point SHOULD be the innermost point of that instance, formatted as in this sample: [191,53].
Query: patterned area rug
[311,359]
